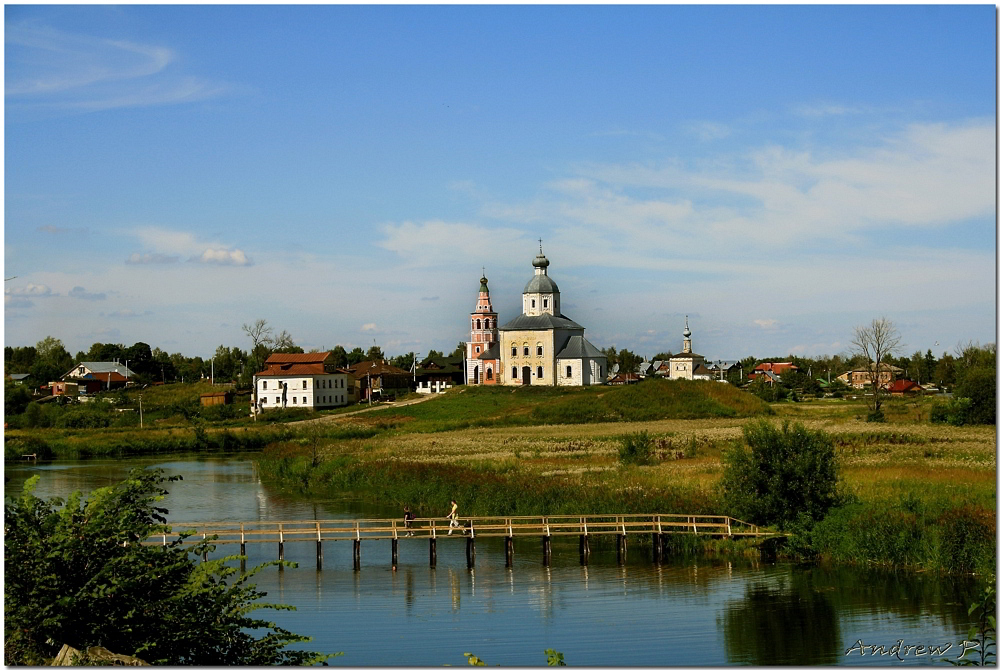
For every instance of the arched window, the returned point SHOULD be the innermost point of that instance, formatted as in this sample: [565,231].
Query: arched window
[479,324]
[539,371]
[487,324]
[513,373]
[489,373]
[526,350]
[539,350]
[532,303]
[513,351]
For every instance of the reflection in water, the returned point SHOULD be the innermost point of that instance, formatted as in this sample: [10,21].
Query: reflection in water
[781,624]
[689,611]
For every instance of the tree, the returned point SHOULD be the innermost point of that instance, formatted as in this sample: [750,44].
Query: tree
[374,354]
[79,574]
[355,356]
[779,474]
[459,351]
[874,343]
[283,344]
[140,359]
[628,361]
[261,338]
[403,361]
[338,357]
[976,379]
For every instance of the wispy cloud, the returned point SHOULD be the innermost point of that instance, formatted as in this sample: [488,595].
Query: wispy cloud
[57,230]
[30,291]
[766,324]
[51,68]
[369,328]
[126,314]
[426,243]
[151,259]
[83,294]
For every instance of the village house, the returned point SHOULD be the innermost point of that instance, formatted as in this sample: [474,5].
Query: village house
[301,380]
[902,387]
[376,380]
[94,376]
[887,374]
[771,372]
[438,374]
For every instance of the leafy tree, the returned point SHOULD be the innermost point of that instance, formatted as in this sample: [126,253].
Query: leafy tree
[80,574]
[459,351]
[434,353]
[875,344]
[374,353]
[404,361]
[612,355]
[339,357]
[662,356]
[628,361]
[976,381]
[140,359]
[104,353]
[15,398]
[779,474]
[944,371]
[355,356]
[19,359]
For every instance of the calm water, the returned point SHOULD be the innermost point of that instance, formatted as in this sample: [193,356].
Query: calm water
[691,611]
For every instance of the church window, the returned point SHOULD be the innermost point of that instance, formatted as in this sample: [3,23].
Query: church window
[545,303]
[305,384]
[532,303]
[526,351]
[513,372]
[489,373]
[539,371]
[569,371]
[477,350]
[539,350]
[487,324]
[479,324]
[513,351]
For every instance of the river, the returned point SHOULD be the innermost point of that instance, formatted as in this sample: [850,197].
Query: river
[688,611]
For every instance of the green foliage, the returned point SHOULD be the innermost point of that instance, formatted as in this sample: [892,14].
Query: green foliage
[636,448]
[981,646]
[553,658]
[766,391]
[473,659]
[16,398]
[955,412]
[80,574]
[779,474]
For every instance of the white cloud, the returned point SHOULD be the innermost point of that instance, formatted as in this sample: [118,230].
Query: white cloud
[223,257]
[766,323]
[368,328]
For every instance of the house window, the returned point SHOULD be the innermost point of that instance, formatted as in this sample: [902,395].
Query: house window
[526,350]
[569,371]
[539,371]
[263,401]
[513,351]
[539,351]
[489,373]
[305,401]
[513,373]
[305,384]
[265,386]
[295,400]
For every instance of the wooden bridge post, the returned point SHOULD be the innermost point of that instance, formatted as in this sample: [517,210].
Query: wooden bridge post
[470,552]
[395,551]
[243,548]
[434,548]
[319,548]
[281,546]
[622,545]
[546,543]
[584,542]
[357,545]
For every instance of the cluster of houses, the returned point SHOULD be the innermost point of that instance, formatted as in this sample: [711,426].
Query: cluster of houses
[541,346]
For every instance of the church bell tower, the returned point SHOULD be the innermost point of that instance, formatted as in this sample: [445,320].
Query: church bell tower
[483,331]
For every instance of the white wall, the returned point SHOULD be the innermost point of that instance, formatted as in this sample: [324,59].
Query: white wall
[310,391]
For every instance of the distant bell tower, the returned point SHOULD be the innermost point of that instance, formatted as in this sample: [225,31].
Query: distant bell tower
[687,337]
[483,331]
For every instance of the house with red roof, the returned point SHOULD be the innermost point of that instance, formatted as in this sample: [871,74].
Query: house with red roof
[771,372]
[301,380]
[902,387]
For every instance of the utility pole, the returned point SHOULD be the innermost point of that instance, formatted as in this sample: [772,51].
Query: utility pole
[213,370]
[140,410]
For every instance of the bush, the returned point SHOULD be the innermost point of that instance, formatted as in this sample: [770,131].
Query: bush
[968,539]
[636,448]
[955,412]
[79,574]
[978,386]
[779,474]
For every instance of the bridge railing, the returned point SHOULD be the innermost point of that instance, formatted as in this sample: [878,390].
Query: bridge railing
[475,526]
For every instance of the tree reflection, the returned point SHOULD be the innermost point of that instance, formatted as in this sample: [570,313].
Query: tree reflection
[781,624]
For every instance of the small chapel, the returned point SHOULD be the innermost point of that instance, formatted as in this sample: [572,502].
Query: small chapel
[541,346]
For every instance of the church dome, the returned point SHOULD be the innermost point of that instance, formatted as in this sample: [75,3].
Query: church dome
[540,261]
[541,284]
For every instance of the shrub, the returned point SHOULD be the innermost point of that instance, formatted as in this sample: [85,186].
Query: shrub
[779,474]
[79,574]
[636,448]
[978,386]
[968,539]
[955,412]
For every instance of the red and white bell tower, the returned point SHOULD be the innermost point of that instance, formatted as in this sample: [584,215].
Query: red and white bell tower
[483,329]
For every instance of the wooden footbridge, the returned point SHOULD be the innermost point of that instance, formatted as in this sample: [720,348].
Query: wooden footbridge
[659,526]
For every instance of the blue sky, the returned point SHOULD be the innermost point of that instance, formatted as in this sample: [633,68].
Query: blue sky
[780,174]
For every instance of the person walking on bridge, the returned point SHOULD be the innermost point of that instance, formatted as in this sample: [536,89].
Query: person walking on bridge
[453,515]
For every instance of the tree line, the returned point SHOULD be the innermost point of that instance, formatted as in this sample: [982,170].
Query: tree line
[49,359]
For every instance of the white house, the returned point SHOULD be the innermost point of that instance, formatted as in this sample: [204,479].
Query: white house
[301,380]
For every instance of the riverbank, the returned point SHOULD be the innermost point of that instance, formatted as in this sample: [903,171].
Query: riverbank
[914,495]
